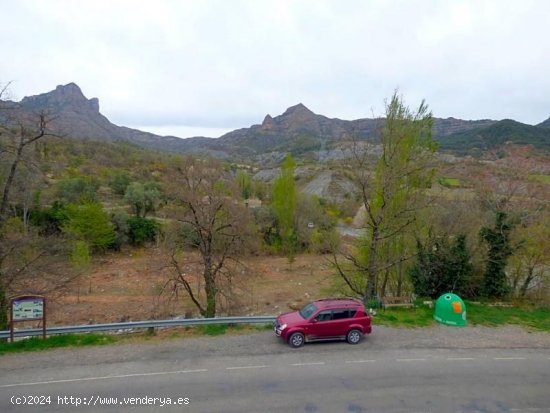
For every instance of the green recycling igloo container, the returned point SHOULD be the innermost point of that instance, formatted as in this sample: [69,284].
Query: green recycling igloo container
[450,310]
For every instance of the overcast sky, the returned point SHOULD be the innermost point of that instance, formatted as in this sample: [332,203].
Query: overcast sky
[206,67]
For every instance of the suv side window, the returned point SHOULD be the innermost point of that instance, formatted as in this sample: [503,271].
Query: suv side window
[343,314]
[339,314]
[324,316]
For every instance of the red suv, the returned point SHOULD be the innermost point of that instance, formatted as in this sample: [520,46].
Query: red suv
[329,319]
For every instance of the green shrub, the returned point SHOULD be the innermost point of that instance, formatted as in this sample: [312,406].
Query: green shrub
[143,198]
[120,220]
[89,223]
[373,303]
[189,236]
[141,230]
[82,189]
[50,220]
[119,181]
[442,267]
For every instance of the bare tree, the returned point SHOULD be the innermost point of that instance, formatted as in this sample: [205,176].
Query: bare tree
[529,269]
[215,224]
[506,184]
[14,142]
[4,90]
[25,137]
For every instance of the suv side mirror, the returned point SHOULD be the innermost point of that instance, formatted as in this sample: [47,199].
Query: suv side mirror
[314,320]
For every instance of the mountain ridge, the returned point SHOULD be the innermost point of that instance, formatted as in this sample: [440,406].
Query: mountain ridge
[544,124]
[495,135]
[298,129]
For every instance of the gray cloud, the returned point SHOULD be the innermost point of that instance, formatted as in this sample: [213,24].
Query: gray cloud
[225,64]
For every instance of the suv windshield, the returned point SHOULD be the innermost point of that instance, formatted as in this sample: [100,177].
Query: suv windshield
[307,311]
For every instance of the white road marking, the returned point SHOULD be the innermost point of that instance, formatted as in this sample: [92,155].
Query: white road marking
[244,367]
[121,376]
[164,373]
[360,361]
[309,364]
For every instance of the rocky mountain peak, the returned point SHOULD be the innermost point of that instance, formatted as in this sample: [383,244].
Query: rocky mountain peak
[69,95]
[94,104]
[69,89]
[298,110]
[268,122]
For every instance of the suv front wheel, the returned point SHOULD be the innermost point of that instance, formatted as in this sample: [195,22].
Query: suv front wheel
[296,340]
[354,336]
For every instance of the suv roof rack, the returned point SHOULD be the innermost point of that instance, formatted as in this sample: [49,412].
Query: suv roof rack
[330,302]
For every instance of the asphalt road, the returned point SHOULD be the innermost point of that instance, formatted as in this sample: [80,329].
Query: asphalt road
[258,373]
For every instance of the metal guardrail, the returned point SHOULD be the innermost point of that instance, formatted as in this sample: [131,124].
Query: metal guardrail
[138,324]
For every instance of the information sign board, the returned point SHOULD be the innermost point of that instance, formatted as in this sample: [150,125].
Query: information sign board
[27,308]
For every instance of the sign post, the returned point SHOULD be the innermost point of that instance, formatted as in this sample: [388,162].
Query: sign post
[27,308]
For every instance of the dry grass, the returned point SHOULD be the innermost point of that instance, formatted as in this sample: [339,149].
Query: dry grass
[129,286]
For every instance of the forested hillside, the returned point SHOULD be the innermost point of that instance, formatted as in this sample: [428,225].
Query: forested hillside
[481,140]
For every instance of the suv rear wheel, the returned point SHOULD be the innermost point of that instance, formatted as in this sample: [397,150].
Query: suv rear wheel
[296,340]
[354,336]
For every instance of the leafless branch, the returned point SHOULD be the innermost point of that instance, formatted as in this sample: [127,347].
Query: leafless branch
[183,281]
